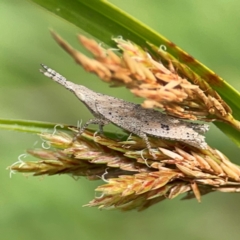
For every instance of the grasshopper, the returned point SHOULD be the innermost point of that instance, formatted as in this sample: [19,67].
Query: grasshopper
[132,117]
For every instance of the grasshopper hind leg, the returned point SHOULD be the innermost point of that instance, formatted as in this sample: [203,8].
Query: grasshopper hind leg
[146,140]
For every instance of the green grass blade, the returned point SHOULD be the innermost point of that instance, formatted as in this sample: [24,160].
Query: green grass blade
[29,126]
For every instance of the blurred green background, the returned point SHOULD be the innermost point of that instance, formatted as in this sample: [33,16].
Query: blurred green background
[51,207]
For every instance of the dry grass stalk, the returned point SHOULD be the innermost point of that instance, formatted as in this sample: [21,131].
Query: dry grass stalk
[134,180]
[188,97]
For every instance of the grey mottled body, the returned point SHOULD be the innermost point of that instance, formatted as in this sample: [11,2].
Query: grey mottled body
[132,117]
